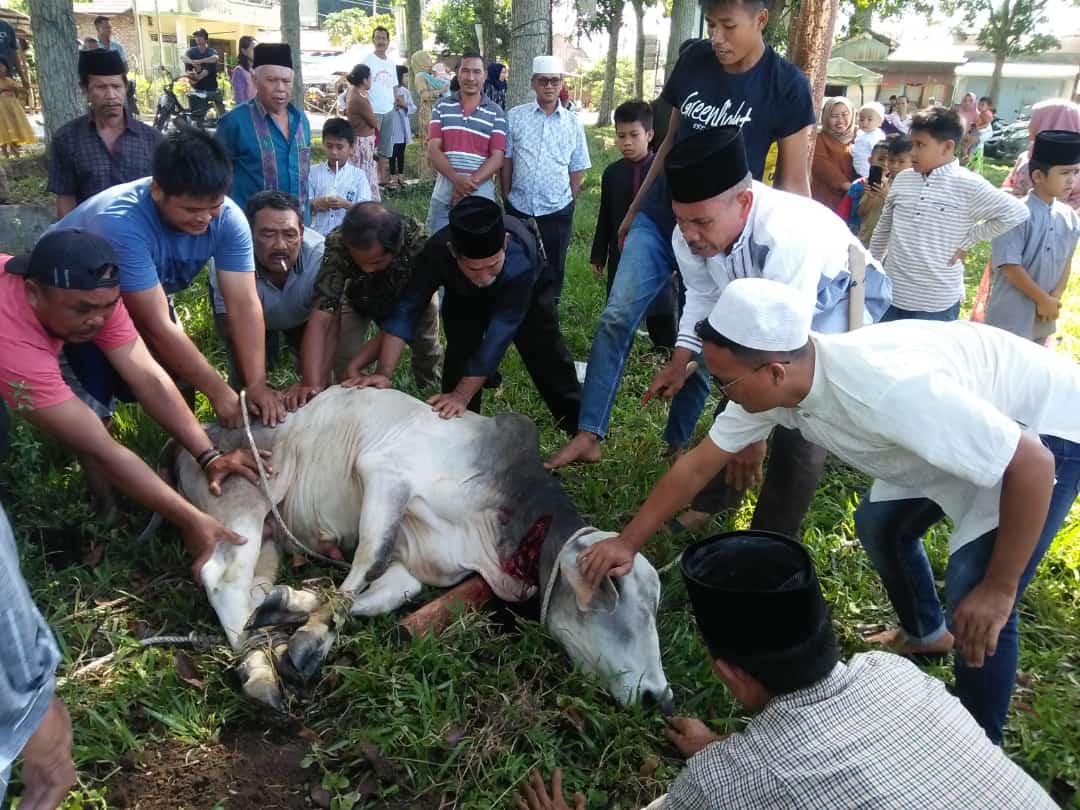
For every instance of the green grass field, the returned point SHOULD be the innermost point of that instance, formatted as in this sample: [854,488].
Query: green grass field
[456,721]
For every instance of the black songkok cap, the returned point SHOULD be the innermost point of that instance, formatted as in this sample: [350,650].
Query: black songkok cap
[273,53]
[707,164]
[1056,147]
[100,63]
[759,606]
[69,258]
[476,228]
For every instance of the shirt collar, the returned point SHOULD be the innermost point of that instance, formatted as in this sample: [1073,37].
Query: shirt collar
[818,692]
[942,171]
[817,384]
[748,228]
[289,108]
[129,121]
[559,108]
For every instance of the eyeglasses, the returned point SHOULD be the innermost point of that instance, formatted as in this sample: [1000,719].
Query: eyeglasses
[548,81]
[723,388]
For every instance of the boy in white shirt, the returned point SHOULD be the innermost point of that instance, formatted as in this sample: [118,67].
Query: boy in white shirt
[871,116]
[337,185]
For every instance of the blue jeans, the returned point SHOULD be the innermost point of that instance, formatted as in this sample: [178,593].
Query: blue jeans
[891,532]
[894,313]
[643,275]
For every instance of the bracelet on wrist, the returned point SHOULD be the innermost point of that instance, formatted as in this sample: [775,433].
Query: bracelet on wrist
[210,459]
[203,455]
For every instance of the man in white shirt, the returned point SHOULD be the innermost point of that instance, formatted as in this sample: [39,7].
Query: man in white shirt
[383,81]
[961,419]
[545,161]
[874,731]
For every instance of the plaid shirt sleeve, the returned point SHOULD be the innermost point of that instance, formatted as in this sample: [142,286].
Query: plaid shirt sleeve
[723,774]
[61,165]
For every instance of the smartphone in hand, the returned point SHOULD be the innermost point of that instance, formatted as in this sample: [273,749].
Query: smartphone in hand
[874,179]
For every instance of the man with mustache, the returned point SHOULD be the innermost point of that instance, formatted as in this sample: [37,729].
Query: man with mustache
[107,146]
[499,290]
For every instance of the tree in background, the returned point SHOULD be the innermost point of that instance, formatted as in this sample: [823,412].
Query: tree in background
[290,33]
[353,25]
[594,83]
[57,59]
[683,15]
[1010,29]
[809,42]
[604,16]
[530,36]
[454,26]
[414,26]
[639,47]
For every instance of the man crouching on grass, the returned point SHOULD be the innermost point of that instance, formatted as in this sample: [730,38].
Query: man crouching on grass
[68,291]
[874,731]
[956,419]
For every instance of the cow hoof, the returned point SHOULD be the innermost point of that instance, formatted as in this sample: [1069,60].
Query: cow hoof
[310,644]
[283,606]
[259,680]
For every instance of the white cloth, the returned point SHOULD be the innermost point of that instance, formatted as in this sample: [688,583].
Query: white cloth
[929,409]
[545,150]
[763,314]
[383,81]
[902,125]
[875,733]
[864,145]
[925,220]
[349,182]
[787,238]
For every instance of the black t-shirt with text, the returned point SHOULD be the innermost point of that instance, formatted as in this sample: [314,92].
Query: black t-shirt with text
[770,101]
[209,81]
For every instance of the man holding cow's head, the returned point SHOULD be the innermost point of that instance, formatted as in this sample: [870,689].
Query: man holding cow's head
[499,290]
[68,291]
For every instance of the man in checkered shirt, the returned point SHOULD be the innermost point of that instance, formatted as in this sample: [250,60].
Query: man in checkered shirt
[875,732]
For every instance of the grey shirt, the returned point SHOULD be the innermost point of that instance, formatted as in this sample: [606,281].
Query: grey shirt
[285,307]
[1043,245]
[29,659]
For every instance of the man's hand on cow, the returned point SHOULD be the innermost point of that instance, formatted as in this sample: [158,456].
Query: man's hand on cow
[240,462]
[667,382]
[448,406]
[689,735]
[534,794]
[227,408]
[611,557]
[264,401]
[298,394]
[978,619]
[367,381]
[744,468]
[48,771]
[202,537]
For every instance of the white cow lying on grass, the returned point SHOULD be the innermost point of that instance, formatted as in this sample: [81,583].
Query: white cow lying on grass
[422,500]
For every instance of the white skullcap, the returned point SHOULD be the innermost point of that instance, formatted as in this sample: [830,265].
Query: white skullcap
[876,106]
[547,65]
[762,314]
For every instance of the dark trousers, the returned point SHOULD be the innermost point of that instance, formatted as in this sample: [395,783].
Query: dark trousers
[538,341]
[792,472]
[555,231]
[397,159]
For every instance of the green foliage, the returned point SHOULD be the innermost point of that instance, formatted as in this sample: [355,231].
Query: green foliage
[593,81]
[355,25]
[454,25]
[1011,29]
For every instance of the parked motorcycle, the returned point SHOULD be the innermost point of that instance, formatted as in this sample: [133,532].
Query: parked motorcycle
[201,109]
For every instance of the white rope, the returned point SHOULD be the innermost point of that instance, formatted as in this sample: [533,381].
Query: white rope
[545,602]
[670,565]
[266,490]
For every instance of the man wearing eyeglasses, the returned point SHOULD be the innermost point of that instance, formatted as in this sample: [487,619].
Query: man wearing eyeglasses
[545,161]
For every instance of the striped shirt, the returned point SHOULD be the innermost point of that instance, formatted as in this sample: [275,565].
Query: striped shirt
[926,219]
[875,733]
[467,140]
[546,150]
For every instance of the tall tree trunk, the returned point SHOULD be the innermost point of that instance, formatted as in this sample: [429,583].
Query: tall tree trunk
[529,24]
[53,25]
[607,98]
[414,32]
[776,28]
[639,49]
[485,15]
[683,17]
[995,78]
[810,43]
[290,33]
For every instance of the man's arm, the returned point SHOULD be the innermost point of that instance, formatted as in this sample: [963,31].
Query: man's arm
[506,177]
[489,167]
[994,211]
[793,162]
[149,310]
[1046,304]
[602,236]
[65,204]
[1063,282]
[463,183]
[390,349]
[248,332]
[575,183]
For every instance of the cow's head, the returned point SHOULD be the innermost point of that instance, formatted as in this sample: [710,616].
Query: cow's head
[611,632]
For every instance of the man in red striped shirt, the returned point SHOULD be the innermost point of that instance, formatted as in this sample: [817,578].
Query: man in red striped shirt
[466,142]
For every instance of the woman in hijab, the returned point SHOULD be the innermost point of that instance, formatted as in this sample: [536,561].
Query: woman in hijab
[832,170]
[1054,113]
[495,84]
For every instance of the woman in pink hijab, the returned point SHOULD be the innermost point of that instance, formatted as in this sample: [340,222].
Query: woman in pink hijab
[1054,113]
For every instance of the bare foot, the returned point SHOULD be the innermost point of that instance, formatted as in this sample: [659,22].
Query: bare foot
[894,640]
[691,519]
[584,447]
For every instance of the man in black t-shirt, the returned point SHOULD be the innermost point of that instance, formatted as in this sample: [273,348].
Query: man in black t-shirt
[202,61]
[732,78]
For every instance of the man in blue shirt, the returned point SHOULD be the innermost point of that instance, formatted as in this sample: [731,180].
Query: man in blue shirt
[164,229]
[498,290]
[268,139]
[202,61]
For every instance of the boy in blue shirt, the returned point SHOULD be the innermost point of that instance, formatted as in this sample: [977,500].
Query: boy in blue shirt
[849,209]
[164,229]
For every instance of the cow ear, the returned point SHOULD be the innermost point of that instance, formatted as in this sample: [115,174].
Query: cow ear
[605,599]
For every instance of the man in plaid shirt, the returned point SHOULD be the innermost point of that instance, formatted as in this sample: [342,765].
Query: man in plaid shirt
[875,732]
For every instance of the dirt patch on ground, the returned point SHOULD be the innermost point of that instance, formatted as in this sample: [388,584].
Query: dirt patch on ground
[249,771]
